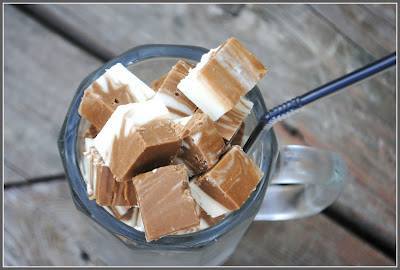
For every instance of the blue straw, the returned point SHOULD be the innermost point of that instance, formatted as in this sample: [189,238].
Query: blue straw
[281,111]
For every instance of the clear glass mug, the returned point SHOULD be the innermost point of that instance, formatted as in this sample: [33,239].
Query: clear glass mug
[301,181]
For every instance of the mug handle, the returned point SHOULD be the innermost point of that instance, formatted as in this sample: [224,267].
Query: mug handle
[306,180]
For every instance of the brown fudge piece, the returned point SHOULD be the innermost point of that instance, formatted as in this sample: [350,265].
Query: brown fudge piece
[202,145]
[232,179]
[138,137]
[109,192]
[221,78]
[176,102]
[166,205]
[117,86]
[155,85]
[150,146]
[230,122]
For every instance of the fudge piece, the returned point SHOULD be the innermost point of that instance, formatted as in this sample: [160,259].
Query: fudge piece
[231,180]
[230,122]
[223,75]
[115,87]
[166,205]
[155,85]
[202,145]
[138,137]
[101,184]
[109,192]
[176,102]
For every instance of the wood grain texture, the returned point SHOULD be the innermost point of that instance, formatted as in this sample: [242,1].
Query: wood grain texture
[42,227]
[42,72]
[302,51]
[365,25]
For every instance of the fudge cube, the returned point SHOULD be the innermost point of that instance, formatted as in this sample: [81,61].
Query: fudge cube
[117,86]
[229,123]
[177,103]
[166,205]
[138,137]
[101,184]
[223,75]
[202,145]
[232,180]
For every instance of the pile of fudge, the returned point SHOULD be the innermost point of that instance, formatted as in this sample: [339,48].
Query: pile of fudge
[162,159]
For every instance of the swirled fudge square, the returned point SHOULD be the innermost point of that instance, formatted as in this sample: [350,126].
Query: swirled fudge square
[138,137]
[165,202]
[223,75]
[231,181]
[117,86]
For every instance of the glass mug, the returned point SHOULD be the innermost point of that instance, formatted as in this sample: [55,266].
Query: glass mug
[301,181]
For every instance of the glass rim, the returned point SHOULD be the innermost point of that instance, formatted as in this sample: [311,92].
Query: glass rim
[67,144]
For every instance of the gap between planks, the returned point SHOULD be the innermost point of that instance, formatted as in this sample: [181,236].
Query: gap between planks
[79,39]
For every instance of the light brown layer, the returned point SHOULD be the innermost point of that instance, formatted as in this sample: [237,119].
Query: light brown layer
[165,202]
[232,179]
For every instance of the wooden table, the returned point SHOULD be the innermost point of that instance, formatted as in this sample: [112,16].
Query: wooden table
[49,49]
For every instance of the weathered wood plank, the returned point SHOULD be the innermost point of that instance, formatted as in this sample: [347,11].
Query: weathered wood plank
[300,245]
[42,72]
[359,124]
[366,25]
[385,11]
[302,51]
[44,228]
